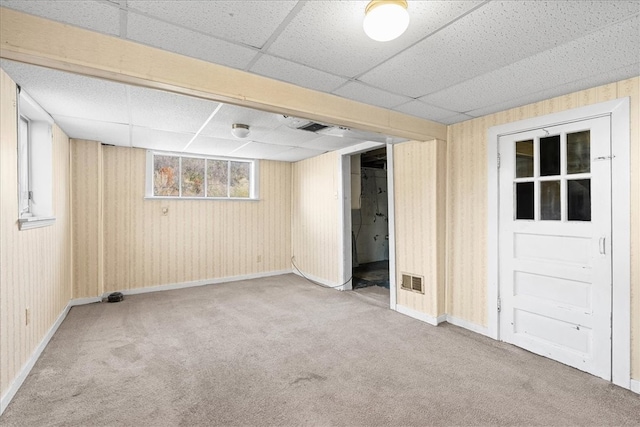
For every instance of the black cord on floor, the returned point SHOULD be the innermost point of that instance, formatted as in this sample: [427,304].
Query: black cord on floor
[313,281]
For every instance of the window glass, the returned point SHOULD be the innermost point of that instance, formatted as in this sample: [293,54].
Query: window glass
[217,178]
[579,152]
[239,180]
[524,159]
[23,166]
[579,200]
[550,155]
[192,177]
[525,200]
[166,175]
[550,206]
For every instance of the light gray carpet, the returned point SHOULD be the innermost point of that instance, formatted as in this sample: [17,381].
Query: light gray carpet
[282,351]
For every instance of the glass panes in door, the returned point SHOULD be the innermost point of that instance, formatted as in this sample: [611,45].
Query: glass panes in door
[552,178]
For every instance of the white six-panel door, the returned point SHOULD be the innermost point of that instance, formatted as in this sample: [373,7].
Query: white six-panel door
[554,243]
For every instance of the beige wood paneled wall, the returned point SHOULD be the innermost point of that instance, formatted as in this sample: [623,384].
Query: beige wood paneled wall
[315,217]
[420,191]
[467,202]
[35,265]
[86,205]
[197,240]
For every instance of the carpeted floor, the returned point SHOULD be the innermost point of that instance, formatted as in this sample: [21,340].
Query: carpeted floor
[282,351]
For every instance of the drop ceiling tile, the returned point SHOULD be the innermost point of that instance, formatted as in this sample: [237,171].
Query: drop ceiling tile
[69,94]
[297,74]
[247,22]
[260,123]
[94,130]
[168,111]
[258,150]
[594,54]
[420,109]
[296,154]
[96,16]
[578,85]
[213,146]
[370,95]
[328,35]
[176,39]
[490,37]
[331,143]
[291,137]
[154,139]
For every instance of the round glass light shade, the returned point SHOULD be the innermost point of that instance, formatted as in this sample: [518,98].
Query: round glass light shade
[386,20]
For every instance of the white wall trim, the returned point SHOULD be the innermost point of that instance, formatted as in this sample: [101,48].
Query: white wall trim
[474,327]
[391,206]
[420,315]
[195,283]
[635,386]
[618,110]
[26,368]
[84,301]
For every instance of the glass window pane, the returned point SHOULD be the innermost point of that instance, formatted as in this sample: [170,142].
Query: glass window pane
[578,152]
[550,155]
[579,200]
[550,205]
[524,159]
[239,184]
[217,178]
[166,176]
[524,200]
[192,177]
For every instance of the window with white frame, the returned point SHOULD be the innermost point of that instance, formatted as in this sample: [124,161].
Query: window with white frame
[200,177]
[35,164]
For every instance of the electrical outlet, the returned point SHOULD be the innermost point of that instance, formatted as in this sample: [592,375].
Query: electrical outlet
[27,316]
[259,258]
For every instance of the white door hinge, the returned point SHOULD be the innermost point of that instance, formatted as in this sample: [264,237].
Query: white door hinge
[499,305]
[498,160]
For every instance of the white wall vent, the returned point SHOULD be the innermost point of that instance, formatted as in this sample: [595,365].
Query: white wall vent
[412,282]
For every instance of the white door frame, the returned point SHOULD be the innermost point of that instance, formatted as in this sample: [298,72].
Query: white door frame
[618,110]
[344,204]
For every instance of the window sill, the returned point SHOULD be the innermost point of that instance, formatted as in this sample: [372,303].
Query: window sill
[28,223]
[232,199]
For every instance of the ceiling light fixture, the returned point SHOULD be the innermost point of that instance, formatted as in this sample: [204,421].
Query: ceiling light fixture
[239,130]
[385,20]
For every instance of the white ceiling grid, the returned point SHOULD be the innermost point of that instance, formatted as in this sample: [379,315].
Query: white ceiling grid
[457,60]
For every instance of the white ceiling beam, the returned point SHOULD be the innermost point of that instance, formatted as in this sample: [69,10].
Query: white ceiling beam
[39,41]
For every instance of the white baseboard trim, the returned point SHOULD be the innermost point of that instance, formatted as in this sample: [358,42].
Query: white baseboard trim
[183,285]
[420,315]
[635,386]
[320,280]
[84,301]
[474,327]
[24,372]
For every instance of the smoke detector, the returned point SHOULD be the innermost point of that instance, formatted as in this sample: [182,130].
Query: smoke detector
[239,130]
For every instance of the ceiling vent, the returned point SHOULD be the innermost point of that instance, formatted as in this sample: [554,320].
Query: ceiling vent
[302,124]
[411,282]
[313,127]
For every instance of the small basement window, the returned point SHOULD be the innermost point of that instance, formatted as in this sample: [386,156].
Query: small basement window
[200,177]
[35,164]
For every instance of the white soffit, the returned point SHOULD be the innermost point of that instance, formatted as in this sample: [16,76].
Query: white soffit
[93,15]
[548,69]
[176,39]
[247,22]
[335,42]
[94,130]
[297,74]
[71,95]
[495,35]
[168,111]
[370,95]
